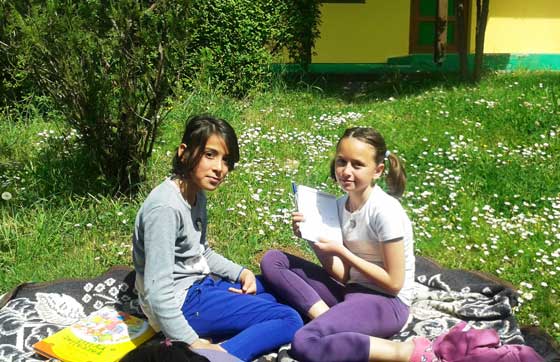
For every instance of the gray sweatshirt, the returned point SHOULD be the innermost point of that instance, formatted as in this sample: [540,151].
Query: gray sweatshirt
[171,253]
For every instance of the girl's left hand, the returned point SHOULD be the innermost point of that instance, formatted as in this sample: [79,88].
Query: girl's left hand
[329,246]
[248,283]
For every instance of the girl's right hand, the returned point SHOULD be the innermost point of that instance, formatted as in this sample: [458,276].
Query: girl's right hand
[297,218]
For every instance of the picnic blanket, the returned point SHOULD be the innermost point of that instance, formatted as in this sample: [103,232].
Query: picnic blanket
[444,297]
[32,311]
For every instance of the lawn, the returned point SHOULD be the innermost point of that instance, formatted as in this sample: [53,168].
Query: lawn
[482,162]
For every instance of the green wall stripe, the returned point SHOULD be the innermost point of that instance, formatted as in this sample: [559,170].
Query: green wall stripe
[424,62]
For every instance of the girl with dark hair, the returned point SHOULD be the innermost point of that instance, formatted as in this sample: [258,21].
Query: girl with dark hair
[366,284]
[163,352]
[187,290]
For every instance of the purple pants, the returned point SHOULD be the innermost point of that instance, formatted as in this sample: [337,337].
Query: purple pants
[356,313]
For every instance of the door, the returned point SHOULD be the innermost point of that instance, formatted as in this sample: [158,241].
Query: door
[422,25]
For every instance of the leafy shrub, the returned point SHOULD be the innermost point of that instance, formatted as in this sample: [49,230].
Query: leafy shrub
[15,84]
[233,42]
[110,66]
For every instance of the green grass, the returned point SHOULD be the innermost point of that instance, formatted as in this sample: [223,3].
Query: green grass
[482,162]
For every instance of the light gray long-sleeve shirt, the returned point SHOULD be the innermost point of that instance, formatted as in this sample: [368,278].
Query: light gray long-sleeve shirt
[171,253]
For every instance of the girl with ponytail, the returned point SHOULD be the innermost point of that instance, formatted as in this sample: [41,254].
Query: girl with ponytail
[365,286]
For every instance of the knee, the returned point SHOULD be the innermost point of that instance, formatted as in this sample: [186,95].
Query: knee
[290,321]
[292,318]
[272,259]
[304,345]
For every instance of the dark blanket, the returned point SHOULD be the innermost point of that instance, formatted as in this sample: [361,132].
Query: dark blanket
[444,297]
[33,311]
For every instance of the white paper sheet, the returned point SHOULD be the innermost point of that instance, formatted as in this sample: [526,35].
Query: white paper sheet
[320,214]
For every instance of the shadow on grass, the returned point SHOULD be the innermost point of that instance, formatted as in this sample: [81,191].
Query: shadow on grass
[363,88]
[56,176]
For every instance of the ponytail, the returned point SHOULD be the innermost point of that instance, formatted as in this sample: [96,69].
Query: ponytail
[396,176]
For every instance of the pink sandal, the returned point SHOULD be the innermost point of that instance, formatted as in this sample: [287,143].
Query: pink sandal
[423,351]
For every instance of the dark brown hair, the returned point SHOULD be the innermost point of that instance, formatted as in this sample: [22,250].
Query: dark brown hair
[396,176]
[162,352]
[198,130]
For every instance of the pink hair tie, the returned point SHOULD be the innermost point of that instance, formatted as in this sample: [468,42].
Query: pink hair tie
[167,342]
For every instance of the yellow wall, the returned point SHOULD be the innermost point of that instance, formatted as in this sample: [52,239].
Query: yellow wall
[521,26]
[363,33]
[379,29]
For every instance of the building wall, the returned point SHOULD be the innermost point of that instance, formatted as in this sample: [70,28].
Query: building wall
[369,32]
[521,26]
[373,31]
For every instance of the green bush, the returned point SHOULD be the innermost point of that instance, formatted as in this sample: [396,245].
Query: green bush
[15,84]
[109,66]
[234,42]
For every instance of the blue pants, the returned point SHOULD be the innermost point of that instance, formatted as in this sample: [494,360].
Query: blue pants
[254,324]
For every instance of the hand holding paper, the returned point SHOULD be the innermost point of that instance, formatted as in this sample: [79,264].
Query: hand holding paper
[297,219]
[330,247]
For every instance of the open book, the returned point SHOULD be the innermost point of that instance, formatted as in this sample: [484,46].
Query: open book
[105,335]
[320,214]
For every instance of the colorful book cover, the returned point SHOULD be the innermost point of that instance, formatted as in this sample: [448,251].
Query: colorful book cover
[105,335]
